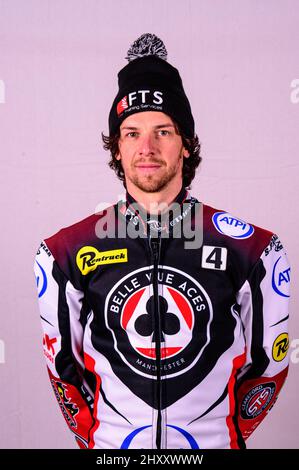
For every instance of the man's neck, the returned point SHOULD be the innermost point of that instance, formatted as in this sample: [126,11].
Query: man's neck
[158,202]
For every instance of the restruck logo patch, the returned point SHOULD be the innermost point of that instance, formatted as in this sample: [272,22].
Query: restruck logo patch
[185,317]
[280,347]
[89,258]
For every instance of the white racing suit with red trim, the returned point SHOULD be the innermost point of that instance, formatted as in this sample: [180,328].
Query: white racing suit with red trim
[150,344]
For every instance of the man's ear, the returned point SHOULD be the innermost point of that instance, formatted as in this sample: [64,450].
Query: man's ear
[186,153]
[117,156]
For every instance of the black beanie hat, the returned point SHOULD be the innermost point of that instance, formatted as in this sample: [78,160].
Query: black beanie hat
[149,83]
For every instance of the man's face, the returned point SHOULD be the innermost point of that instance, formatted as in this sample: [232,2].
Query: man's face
[150,150]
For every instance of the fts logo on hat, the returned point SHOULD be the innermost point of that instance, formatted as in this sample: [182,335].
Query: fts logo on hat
[140,98]
[122,105]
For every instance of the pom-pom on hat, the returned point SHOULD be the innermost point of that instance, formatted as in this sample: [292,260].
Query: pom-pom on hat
[149,83]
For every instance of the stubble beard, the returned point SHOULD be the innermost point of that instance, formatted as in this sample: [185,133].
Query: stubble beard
[153,183]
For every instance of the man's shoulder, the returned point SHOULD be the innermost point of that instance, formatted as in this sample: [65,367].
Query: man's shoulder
[69,238]
[232,224]
[235,232]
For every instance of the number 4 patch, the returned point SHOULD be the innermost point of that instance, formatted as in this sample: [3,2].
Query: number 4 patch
[214,257]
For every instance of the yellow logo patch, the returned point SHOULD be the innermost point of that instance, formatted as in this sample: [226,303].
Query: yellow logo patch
[280,347]
[89,258]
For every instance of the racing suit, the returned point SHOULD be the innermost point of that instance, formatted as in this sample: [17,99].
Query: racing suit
[150,344]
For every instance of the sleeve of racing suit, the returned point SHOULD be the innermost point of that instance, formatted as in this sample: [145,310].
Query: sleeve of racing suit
[61,310]
[264,302]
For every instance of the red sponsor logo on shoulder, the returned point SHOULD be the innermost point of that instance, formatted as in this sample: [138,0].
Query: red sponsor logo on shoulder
[48,344]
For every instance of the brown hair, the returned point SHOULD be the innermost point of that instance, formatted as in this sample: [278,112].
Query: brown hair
[189,166]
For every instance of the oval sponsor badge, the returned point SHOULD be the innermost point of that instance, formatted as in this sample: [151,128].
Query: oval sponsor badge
[231,226]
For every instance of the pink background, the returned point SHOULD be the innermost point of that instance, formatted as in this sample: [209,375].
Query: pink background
[58,66]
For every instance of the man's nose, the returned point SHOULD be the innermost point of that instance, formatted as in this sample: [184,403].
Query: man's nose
[146,144]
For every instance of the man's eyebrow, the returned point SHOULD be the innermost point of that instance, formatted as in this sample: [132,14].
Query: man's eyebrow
[164,125]
[159,126]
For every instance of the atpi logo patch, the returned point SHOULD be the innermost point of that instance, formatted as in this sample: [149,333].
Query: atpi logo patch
[41,279]
[280,347]
[89,258]
[281,277]
[185,312]
[257,400]
[229,225]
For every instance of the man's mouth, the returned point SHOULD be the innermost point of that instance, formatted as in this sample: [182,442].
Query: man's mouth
[149,167]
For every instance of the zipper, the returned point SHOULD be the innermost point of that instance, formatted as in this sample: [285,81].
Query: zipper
[155,244]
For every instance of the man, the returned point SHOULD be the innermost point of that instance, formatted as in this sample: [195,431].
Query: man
[152,342]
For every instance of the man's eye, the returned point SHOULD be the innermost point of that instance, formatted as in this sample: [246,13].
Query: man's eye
[131,134]
[164,132]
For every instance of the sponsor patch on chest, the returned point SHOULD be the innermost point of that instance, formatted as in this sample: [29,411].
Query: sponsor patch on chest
[89,258]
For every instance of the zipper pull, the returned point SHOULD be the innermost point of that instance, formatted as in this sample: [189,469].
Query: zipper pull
[155,249]
[154,245]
